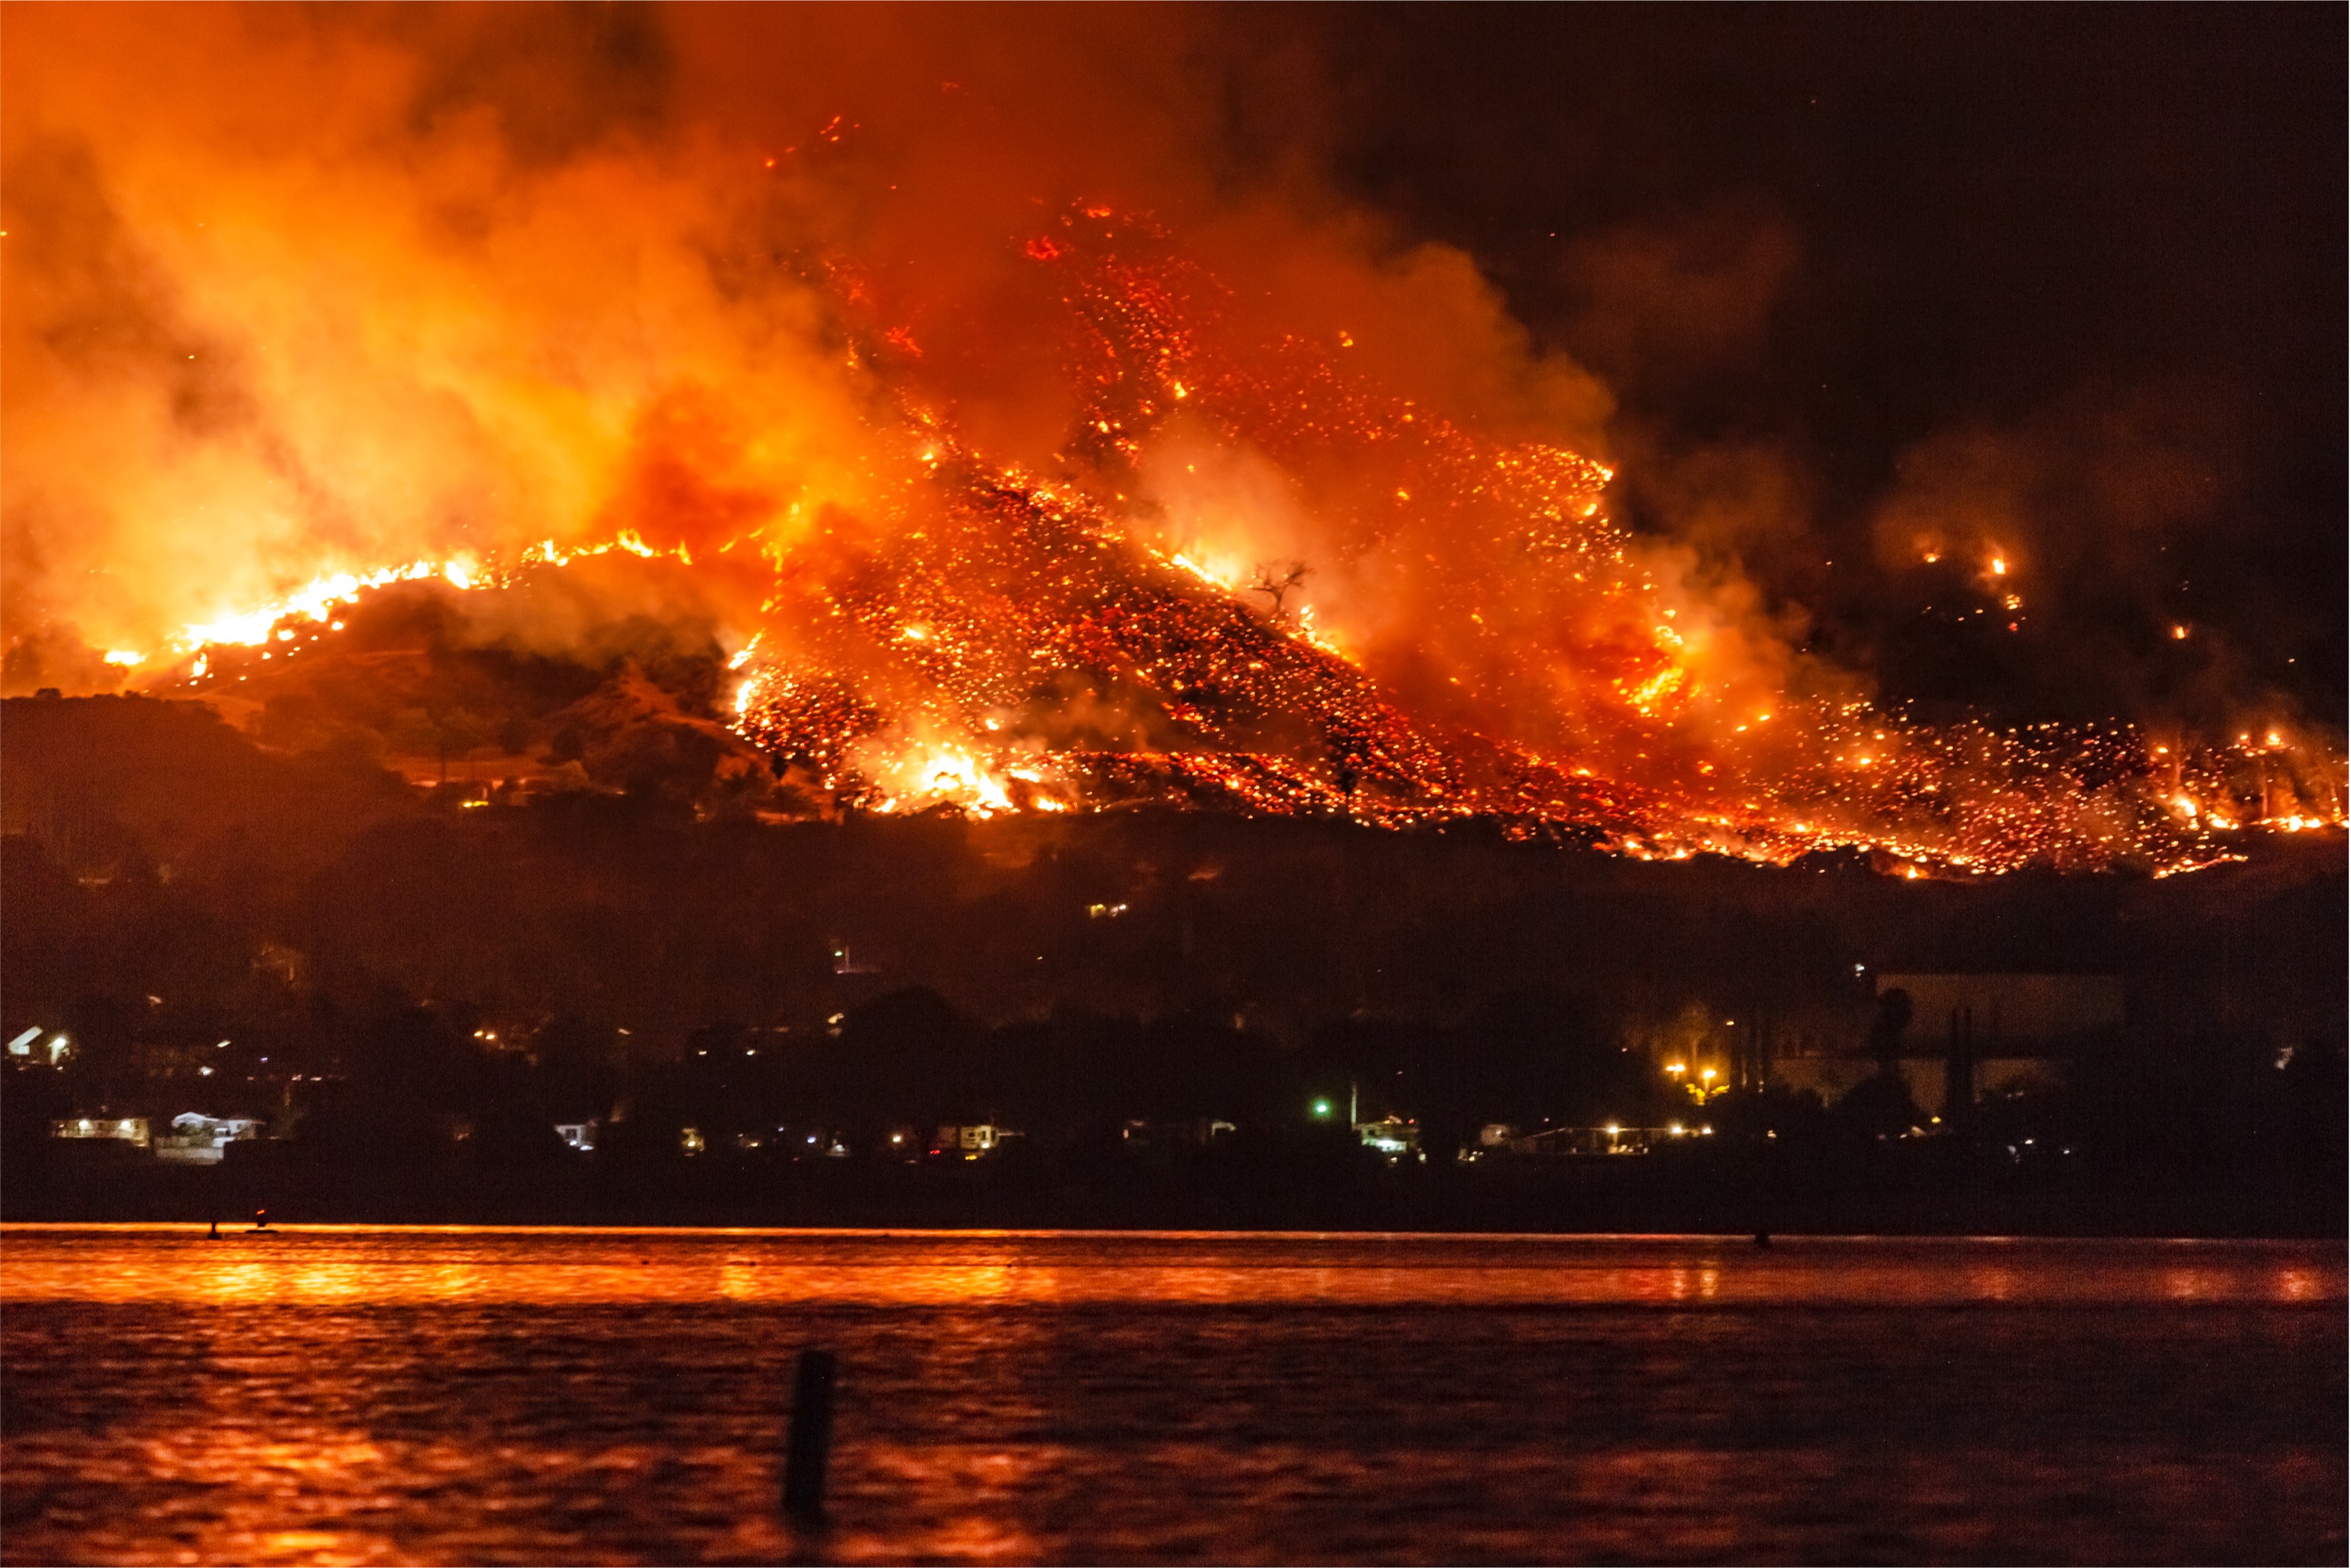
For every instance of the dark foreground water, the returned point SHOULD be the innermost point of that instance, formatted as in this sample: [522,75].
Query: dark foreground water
[419,1396]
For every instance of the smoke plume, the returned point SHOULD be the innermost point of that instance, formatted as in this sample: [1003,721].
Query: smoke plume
[295,293]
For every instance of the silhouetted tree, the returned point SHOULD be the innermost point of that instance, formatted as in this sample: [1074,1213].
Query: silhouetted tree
[1274,580]
[1894,1014]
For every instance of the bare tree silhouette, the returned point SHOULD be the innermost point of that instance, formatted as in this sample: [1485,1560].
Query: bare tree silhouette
[1274,580]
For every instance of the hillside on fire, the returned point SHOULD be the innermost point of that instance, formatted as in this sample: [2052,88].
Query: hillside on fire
[1255,569]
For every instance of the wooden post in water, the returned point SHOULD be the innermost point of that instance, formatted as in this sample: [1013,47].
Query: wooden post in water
[808,1441]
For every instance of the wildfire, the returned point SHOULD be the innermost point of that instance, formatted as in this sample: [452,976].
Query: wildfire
[996,641]
[317,600]
[940,773]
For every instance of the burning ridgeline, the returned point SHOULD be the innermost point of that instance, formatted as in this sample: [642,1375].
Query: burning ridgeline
[1492,644]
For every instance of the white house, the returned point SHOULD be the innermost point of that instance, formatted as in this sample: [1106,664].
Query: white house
[197,1139]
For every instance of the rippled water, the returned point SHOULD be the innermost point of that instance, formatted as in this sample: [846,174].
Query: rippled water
[463,1396]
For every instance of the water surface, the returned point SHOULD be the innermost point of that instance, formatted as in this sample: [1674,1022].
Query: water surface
[335,1395]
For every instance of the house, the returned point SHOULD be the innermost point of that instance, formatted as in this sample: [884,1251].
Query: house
[196,1139]
[1612,1139]
[1391,1135]
[1138,1134]
[131,1129]
[27,1043]
[970,1141]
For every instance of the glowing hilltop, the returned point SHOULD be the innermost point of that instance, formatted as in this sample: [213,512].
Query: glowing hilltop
[1421,622]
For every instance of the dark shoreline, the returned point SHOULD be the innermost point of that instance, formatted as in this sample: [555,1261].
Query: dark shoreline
[1727,1196]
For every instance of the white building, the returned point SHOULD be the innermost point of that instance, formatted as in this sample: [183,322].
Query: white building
[199,1140]
[970,1140]
[128,1129]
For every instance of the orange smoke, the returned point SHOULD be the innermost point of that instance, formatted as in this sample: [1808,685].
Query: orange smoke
[1012,434]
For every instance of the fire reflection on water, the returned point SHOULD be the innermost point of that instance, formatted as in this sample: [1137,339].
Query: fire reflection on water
[350,1395]
[271,1517]
[339,1266]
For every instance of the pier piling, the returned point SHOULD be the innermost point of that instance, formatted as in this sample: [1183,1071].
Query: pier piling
[808,1440]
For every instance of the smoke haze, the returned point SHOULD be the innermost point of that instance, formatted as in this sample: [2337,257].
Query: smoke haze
[298,292]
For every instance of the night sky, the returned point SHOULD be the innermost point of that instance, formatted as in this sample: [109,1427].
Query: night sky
[2075,239]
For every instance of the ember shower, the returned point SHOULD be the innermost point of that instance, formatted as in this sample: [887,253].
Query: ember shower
[1027,459]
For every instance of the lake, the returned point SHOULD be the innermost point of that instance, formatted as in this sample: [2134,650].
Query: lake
[421,1394]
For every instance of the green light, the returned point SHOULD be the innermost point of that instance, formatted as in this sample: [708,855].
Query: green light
[1322,1109]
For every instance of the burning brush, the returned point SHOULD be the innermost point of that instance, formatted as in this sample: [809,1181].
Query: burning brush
[1473,635]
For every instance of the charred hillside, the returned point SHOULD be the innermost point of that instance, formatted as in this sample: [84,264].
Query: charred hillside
[625,902]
